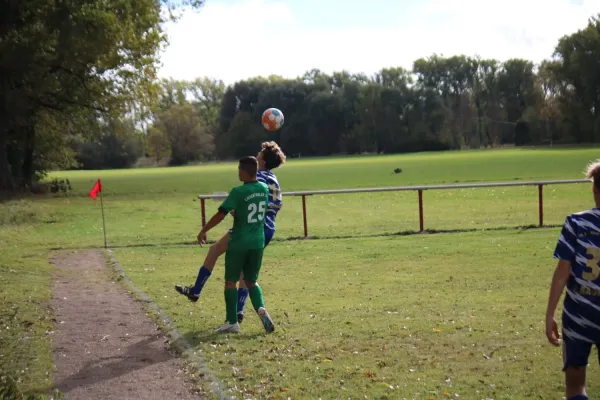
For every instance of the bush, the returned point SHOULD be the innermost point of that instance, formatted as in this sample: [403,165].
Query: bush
[110,152]
[17,213]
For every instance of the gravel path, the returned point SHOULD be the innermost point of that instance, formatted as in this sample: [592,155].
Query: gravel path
[105,346]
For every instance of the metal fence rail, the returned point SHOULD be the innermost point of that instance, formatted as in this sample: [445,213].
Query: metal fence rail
[418,189]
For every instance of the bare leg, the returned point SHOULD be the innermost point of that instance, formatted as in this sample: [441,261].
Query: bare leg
[575,381]
[215,251]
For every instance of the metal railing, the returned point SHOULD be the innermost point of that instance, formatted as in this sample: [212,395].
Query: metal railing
[418,189]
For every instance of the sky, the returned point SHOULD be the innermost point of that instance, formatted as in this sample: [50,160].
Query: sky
[232,40]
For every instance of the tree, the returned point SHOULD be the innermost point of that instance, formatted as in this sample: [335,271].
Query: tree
[158,144]
[207,97]
[171,92]
[243,136]
[65,77]
[455,102]
[576,70]
[73,58]
[189,138]
[119,145]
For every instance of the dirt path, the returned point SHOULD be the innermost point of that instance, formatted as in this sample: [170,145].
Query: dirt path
[105,346]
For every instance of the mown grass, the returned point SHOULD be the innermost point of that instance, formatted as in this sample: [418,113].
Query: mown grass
[158,207]
[416,317]
[25,315]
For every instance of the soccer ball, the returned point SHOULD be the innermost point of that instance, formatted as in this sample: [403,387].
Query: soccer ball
[272,119]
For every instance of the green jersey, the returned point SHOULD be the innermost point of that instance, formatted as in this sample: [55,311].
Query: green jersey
[249,201]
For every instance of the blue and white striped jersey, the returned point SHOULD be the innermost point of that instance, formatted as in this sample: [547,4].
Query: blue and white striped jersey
[275,200]
[579,243]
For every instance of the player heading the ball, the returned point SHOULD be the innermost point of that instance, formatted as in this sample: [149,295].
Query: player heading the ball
[269,157]
[246,245]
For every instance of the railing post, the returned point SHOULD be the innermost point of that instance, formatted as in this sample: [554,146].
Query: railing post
[304,216]
[541,204]
[421,224]
[203,211]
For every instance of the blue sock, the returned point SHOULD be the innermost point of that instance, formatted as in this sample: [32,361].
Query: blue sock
[579,397]
[242,296]
[203,275]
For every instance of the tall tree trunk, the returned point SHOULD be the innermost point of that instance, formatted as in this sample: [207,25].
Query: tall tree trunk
[6,179]
[28,150]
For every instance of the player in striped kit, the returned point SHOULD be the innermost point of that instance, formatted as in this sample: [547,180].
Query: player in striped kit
[269,158]
[578,252]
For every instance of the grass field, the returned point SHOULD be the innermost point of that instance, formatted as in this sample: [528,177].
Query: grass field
[361,313]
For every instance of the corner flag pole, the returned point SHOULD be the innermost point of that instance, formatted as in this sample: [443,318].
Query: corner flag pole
[103,221]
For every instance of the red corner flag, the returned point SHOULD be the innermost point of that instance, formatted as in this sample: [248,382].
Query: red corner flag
[96,189]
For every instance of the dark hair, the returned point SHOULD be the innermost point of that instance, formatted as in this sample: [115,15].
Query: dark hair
[249,164]
[272,155]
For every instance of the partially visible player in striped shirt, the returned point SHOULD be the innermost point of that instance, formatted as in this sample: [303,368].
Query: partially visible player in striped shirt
[269,158]
[578,252]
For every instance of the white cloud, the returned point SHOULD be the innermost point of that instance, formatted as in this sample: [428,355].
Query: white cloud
[261,37]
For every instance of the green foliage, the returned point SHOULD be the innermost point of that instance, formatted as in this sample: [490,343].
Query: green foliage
[73,58]
[119,146]
[242,136]
[59,185]
[158,145]
[65,75]
[575,72]
[207,95]
[189,138]
[17,213]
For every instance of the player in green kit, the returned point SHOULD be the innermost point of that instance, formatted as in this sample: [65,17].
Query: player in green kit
[246,243]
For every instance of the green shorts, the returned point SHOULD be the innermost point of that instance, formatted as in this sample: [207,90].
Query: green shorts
[246,261]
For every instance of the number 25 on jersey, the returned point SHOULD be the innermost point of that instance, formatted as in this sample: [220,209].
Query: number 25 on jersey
[256,213]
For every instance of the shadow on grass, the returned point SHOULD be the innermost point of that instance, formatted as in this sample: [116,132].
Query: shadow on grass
[522,228]
[209,336]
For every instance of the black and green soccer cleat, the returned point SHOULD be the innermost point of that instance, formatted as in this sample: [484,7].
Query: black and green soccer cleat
[187,292]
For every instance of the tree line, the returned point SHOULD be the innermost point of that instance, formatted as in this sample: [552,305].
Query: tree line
[442,103]
[91,101]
